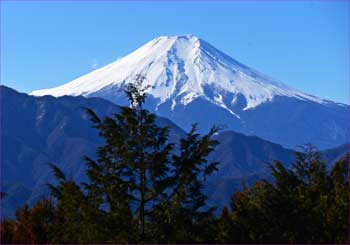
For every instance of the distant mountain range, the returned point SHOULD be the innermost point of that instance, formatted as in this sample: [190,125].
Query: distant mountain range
[39,130]
[192,81]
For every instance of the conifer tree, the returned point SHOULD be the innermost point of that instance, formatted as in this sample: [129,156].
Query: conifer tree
[32,225]
[338,214]
[75,218]
[184,217]
[141,187]
[131,173]
[138,174]
[304,204]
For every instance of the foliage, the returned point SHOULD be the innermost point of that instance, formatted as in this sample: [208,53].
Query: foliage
[305,204]
[137,175]
[143,188]
[32,225]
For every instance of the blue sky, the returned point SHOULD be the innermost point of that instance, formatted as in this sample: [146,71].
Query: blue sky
[301,43]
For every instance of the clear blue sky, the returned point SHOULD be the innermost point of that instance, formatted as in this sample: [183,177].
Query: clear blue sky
[304,44]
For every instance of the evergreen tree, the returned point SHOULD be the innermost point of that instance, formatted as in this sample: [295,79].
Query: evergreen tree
[75,219]
[308,206]
[338,214]
[305,204]
[32,225]
[7,232]
[139,176]
[225,228]
[131,174]
[184,218]
[144,189]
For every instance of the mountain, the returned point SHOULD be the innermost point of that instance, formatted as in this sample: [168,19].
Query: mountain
[244,159]
[192,81]
[241,156]
[39,130]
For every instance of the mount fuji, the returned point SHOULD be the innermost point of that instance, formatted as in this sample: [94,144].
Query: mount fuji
[192,81]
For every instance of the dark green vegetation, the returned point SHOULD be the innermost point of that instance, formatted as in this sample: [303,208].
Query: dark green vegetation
[40,130]
[143,189]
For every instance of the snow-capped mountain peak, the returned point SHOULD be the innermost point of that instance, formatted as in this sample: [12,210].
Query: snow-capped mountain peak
[192,81]
[181,69]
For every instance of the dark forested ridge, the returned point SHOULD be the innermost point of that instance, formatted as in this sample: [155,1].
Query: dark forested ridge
[38,130]
[145,184]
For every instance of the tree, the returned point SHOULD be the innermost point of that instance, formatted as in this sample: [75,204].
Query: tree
[138,174]
[75,218]
[191,170]
[32,225]
[304,204]
[338,214]
[141,188]
[132,169]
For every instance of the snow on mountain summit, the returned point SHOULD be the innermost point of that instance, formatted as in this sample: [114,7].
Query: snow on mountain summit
[192,81]
[181,69]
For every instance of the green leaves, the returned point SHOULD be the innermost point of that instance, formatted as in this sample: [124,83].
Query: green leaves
[57,172]
[141,187]
[137,168]
[93,117]
[300,206]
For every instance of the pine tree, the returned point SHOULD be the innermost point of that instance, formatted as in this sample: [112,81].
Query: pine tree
[75,219]
[141,179]
[225,228]
[304,204]
[338,214]
[131,174]
[7,232]
[184,218]
[32,225]
[141,187]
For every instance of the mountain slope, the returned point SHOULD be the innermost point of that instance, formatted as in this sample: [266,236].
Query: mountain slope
[180,69]
[244,160]
[188,77]
[38,130]
[241,155]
